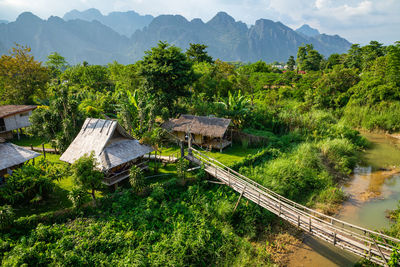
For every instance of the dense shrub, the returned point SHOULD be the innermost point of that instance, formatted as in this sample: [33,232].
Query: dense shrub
[6,216]
[173,226]
[27,183]
[136,179]
[78,197]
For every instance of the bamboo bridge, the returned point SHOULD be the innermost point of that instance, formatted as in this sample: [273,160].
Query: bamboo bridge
[374,246]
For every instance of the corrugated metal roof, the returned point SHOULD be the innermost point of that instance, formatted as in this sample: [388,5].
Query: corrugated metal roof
[11,155]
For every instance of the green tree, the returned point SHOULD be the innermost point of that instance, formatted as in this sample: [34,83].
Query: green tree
[167,73]
[291,63]
[88,77]
[85,174]
[22,78]
[56,63]
[371,52]
[7,216]
[308,58]
[59,122]
[154,138]
[128,111]
[353,57]
[393,64]
[332,88]
[332,61]
[136,179]
[236,106]
[197,53]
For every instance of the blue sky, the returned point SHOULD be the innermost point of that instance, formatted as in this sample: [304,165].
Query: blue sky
[359,21]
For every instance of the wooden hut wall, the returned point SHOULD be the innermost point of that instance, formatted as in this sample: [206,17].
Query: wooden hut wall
[198,139]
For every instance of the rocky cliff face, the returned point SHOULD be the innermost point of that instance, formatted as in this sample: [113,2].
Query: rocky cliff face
[82,36]
[124,23]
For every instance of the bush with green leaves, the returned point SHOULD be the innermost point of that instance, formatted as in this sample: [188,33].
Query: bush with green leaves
[29,182]
[7,216]
[78,197]
[85,174]
[136,179]
[174,226]
[181,168]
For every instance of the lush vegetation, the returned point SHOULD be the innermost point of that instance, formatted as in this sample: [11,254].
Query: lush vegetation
[297,138]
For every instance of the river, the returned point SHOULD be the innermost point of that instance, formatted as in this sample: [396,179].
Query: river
[373,190]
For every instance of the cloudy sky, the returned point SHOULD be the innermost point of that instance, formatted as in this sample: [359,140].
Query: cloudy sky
[359,21]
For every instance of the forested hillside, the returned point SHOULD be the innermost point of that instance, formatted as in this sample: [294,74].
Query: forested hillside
[304,144]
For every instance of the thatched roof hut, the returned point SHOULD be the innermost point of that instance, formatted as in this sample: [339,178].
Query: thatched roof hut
[110,143]
[209,132]
[12,155]
[200,125]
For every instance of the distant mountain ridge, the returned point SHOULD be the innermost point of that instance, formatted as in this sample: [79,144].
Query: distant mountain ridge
[125,23]
[84,36]
[307,31]
[232,40]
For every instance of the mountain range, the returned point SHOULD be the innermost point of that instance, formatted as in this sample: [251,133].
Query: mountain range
[124,36]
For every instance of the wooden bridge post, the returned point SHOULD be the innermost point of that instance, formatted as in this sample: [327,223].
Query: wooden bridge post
[380,252]
[44,150]
[298,221]
[190,144]
[237,203]
[182,149]
[310,224]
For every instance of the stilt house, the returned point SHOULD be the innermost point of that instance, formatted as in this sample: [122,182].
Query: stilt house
[12,157]
[14,117]
[114,149]
[210,132]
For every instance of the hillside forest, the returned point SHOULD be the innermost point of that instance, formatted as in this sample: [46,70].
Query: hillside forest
[307,117]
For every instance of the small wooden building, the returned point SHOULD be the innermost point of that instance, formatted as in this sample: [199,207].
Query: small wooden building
[210,132]
[114,149]
[14,117]
[12,157]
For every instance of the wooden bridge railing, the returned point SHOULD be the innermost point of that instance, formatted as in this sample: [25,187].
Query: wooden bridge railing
[374,246]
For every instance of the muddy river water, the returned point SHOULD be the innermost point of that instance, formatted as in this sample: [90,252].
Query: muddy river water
[373,190]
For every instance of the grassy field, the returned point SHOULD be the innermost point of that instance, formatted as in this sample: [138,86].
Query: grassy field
[228,156]
[27,140]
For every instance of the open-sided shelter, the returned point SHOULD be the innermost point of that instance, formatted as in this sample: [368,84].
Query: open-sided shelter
[12,157]
[114,149]
[210,132]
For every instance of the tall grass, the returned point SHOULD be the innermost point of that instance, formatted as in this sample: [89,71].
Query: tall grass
[294,175]
[341,153]
[385,116]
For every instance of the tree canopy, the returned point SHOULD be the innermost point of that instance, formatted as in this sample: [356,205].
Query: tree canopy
[22,78]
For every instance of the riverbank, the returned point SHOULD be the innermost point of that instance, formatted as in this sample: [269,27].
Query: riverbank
[372,190]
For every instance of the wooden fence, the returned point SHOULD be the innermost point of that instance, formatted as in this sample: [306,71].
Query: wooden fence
[371,245]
